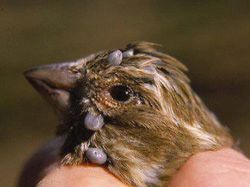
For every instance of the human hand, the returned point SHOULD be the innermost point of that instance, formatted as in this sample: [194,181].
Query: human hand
[223,168]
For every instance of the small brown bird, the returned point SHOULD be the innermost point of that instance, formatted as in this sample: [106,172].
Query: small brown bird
[131,110]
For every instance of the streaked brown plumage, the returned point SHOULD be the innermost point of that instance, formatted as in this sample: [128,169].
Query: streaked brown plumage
[147,137]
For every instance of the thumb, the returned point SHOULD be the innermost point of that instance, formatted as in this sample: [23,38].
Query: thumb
[223,168]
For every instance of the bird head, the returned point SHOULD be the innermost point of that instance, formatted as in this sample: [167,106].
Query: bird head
[153,120]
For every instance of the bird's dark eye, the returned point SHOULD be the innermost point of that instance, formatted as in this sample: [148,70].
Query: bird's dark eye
[120,93]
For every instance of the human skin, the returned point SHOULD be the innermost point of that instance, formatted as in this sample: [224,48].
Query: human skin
[223,168]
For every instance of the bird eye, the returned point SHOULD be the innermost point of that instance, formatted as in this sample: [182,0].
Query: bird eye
[120,93]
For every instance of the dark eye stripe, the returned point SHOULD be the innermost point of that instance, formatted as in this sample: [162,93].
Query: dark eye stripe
[148,80]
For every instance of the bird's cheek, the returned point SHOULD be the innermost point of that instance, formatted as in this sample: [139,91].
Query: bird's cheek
[107,106]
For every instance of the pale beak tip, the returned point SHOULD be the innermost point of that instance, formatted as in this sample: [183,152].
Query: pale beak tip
[29,74]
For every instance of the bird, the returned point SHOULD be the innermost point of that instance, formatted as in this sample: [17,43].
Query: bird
[131,110]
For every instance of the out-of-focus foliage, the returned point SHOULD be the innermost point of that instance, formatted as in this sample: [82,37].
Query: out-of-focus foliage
[210,37]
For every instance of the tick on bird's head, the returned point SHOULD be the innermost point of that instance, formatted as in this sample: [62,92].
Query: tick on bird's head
[131,109]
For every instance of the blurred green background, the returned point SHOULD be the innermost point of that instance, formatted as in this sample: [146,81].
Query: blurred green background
[211,37]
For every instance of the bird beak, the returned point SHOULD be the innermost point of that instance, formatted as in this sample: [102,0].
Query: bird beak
[56,81]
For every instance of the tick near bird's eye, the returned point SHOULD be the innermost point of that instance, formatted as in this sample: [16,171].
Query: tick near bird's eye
[120,93]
